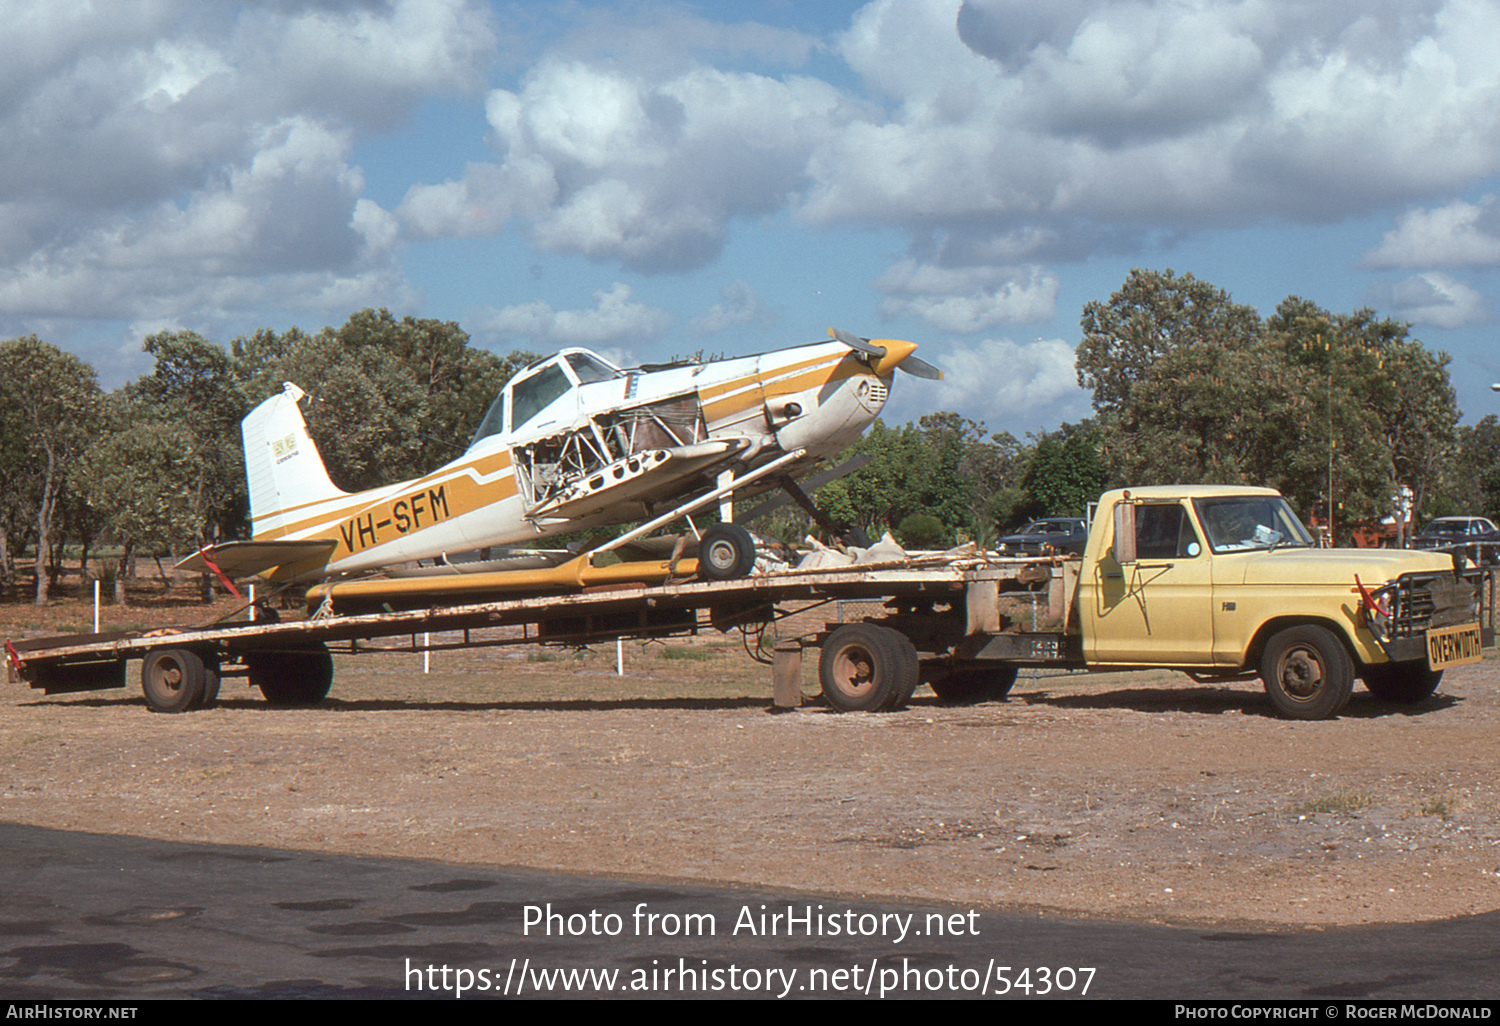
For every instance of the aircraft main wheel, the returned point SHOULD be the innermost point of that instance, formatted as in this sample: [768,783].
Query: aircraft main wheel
[1401,683]
[176,680]
[726,551]
[1307,672]
[291,678]
[866,668]
[974,684]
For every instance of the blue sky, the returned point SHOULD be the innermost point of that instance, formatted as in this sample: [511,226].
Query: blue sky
[651,179]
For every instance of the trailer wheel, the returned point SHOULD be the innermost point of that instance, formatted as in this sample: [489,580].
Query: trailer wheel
[1307,673]
[725,552]
[974,684]
[911,667]
[291,678]
[1401,683]
[864,668]
[175,680]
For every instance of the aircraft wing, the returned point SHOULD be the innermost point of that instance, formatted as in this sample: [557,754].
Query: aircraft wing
[238,559]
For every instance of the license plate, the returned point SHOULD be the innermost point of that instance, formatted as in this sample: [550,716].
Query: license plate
[1453,646]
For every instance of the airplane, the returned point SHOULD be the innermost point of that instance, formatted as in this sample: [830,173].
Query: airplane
[572,442]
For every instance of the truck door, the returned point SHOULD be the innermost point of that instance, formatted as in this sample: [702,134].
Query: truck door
[1155,609]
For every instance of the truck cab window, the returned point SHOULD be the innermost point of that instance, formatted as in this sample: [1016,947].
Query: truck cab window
[1165,532]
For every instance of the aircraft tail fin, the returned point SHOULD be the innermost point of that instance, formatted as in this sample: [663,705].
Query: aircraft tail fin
[286,473]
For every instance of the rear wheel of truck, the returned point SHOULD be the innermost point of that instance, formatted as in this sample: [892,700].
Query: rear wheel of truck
[1307,673]
[974,684]
[291,678]
[866,668]
[1401,683]
[177,680]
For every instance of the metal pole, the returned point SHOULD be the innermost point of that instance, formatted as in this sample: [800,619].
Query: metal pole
[427,652]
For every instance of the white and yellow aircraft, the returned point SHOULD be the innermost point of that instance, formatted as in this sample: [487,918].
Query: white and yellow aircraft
[572,442]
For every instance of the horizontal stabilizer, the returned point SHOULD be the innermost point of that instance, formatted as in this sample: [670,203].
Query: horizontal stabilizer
[238,559]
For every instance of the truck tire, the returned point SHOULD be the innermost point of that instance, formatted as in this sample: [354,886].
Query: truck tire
[291,678]
[864,668]
[725,552]
[1401,683]
[1307,672]
[974,684]
[175,680]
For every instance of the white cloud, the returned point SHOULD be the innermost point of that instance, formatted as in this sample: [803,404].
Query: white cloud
[176,162]
[1434,298]
[738,305]
[1456,235]
[964,300]
[1009,385]
[613,319]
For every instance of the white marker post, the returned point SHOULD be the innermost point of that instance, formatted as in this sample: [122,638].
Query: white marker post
[427,652]
[619,657]
[96,605]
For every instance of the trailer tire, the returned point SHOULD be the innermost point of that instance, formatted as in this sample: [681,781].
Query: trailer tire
[911,672]
[1401,683]
[1307,672]
[725,552]
[864,667]
[974,684]
[175,680]
[291,678]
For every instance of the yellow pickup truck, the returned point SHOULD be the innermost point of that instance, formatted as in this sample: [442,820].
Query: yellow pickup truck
[1225,583]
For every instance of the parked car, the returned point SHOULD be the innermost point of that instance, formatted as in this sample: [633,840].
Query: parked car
[1476,537]
[1054,534]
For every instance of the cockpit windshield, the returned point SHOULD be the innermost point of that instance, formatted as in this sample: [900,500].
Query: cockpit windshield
[493,422]
[1248,522]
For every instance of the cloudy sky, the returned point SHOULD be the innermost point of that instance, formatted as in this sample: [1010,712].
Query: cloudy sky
[650,179]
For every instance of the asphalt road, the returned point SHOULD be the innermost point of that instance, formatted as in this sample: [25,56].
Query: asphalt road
[92,917]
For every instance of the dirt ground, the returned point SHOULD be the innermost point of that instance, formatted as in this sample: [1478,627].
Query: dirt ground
[1136,796]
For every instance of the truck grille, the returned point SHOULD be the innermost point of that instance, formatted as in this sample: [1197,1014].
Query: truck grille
[1420,601]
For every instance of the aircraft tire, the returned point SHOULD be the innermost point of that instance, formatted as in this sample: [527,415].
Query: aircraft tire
[291,678]
[175,680]
[725,552]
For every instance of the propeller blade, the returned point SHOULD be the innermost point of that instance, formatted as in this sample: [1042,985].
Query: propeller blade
[859,345]
[920,368]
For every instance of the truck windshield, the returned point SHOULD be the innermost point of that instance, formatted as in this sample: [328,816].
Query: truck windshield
[1243,523]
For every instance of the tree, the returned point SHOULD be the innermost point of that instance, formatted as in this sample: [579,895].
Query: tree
[1154,315]
[52,399]
[1192,387]
[388,399]
[1065,472]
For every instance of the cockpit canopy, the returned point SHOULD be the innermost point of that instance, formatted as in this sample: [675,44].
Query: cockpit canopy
[539,387]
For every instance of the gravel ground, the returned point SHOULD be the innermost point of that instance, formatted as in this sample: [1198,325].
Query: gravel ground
[1135,796]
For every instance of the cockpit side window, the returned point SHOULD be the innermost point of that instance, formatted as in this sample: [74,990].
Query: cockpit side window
[537,392]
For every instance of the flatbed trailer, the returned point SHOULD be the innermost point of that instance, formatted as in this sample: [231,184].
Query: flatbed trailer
[940,605]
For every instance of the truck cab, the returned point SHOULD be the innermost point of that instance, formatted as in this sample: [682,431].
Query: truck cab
[1226,581]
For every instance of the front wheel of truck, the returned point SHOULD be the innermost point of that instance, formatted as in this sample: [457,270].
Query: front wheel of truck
[1402,683]
[1307,672]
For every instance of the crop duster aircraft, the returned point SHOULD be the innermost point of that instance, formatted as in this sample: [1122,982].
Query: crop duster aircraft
[572,442]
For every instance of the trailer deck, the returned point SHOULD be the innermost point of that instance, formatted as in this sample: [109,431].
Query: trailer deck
[289,659]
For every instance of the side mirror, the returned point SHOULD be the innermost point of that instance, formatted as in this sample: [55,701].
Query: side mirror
[1124,533]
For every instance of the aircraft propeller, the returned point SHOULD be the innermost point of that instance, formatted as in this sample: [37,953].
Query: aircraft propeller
[911,364]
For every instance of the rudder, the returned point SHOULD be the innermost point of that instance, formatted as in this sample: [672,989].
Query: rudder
[285,471]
